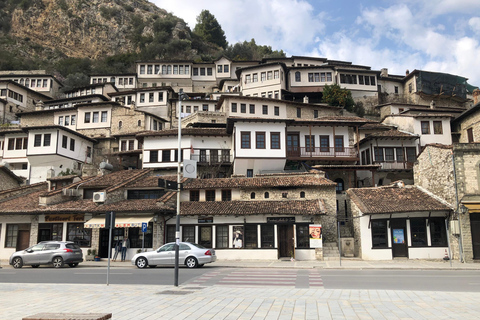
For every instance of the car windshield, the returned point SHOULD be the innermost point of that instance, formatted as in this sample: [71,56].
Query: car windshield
[72,246]
[199,246]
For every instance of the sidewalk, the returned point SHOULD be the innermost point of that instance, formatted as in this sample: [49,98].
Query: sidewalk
[346,263]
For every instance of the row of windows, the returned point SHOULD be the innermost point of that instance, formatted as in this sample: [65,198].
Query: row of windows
[260,140]
[96,116]
[386,154]
[324,143]
[263,76]
[165,69]
[352,79]
[37,142]
[121,81]
[12,94]
[437,127]
[33,83]
[72,143]
[252,109]
[315,76]
[166,156]
[418,232]
[188,109]
[151,97]
[247,236]
[67,120]
[83,92]
[225,68]
[129,145]
[17,143]
[67,105]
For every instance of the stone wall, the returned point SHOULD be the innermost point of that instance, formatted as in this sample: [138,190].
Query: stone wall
[470,122]
[37,119]
[357,234]
[7,181]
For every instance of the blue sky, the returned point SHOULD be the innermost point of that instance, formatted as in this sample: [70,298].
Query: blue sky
[432,35]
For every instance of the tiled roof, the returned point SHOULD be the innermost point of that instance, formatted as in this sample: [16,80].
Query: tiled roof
[186,131]
[375,126]
[149,181]
[60,178]
[114,178]
[390,134]
[260,182]
[394,200]
[287,207]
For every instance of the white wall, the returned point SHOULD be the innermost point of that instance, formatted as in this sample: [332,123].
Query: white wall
[253,152]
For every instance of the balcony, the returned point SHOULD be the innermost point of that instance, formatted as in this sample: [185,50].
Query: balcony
[212,158]
[395,165]
[322,153]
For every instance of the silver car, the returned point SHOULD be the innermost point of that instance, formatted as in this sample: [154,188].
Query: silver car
[56,253]
[190,254]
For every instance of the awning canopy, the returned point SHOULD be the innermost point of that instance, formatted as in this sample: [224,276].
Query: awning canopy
[120,222]
[473,207]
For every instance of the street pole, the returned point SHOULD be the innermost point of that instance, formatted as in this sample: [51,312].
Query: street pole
[109,243]
[179,156]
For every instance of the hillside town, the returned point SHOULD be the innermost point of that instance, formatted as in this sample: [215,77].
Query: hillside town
[263,160]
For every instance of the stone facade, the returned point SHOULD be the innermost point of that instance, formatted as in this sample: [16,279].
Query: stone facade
[37,119]
[7,181]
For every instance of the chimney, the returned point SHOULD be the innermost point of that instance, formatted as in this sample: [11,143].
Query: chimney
[39,105]
[476,96]
[432,104]
[305,99]
[407,72]
[384,72]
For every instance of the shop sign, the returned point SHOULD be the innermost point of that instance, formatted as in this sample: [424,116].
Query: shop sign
[281,219]
[64,218]
[315,231]
[205,220]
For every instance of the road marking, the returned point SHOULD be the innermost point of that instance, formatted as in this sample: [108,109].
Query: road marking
[104,273]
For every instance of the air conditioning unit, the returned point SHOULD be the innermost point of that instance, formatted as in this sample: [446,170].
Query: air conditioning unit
[99,196]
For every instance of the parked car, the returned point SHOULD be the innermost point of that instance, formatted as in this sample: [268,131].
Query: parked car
[56,253]
[190,254]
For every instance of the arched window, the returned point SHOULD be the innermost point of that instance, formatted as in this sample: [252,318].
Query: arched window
[302,194]
[252,195]
[139,123]
[267,195]
[340,185]
[120,124]
[298,76]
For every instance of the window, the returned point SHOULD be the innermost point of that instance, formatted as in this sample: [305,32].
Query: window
[264,109]
[276,74]
[252,108]
[255,77]
[18,143]
[151,97]
[245,140]
[166,156]
[438,235]
[221,237]
[11,143]
[188,233]
[142,69]
[74,118]
[11,236]
[37,142]
[219,68]
[153,156]
[315,114]
[379,234]
[267,238]
[410,89]
[298,76]
[142,97]
[418,229]
[205,107]
[78,234]
[64,142]
[243,108]
[378,154]
[302,194]
[95,117]
[234,107]
[251,236]
[87,117]
[209,195]
[275,140]
[303,236]
[72,144]
[226,195]
[104,116]
[425,127]
[276,111]
[67,120]
[339,144]
[284,195]
[260,140]
[194,195]
[60,121]
[437,127]
[250,175]
[470,135]
[310,143]
[299,112]
[389,154]
[396,89]
[149,69]
[340,185]
[226,68]
[120,124]
[209,71]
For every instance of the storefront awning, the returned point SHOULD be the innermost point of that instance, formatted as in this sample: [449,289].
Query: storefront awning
[473,207]
[120,222]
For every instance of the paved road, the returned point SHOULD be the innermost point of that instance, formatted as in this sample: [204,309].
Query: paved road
[421,280]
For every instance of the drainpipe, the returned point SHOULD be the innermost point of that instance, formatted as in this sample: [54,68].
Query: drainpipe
[460,238]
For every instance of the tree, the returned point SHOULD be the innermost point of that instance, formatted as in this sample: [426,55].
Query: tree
[209,29]
[334,95]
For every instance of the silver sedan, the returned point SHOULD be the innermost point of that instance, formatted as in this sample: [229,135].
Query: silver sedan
[190,254]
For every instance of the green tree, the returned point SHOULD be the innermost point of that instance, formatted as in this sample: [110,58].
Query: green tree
[334,95]
[209,29]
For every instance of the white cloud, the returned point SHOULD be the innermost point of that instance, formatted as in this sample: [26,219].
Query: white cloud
[269,22]
[474,24]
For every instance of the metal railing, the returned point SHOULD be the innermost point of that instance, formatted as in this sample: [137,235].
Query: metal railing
[212,158]
[395,165]
[322,152]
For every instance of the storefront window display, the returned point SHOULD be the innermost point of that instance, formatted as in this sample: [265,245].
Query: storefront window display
[78,234]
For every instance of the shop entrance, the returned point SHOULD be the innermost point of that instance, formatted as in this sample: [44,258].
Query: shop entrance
[285,241]
[399,238]
[475,225]
[23,239]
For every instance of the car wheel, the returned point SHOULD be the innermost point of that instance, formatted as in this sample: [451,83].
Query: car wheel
[191,262]
[152,266]
[35,265]
[17,263]
[141,262]
[72,265]
[57,262]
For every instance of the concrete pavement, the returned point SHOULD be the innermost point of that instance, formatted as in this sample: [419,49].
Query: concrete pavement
[242,301]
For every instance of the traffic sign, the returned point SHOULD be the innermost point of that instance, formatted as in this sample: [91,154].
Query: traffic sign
[144,227]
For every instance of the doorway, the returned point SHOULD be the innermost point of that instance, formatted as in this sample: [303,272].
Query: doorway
[23,239]
[293,145]
[205,236]
[399,238]
[285,241]
[475,228]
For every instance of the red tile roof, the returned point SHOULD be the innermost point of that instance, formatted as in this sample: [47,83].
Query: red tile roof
[287,207]
[186,132]
[394,200]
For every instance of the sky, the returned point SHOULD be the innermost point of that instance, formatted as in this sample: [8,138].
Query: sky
[430,35]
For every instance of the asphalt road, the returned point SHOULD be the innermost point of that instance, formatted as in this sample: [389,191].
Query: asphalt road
[372,279]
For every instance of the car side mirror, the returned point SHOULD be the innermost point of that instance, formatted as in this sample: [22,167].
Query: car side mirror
[29,250]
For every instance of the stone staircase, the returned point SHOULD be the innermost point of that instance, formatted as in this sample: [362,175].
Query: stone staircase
[330,251]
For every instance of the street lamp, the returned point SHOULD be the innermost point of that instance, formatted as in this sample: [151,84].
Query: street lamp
[181,95]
